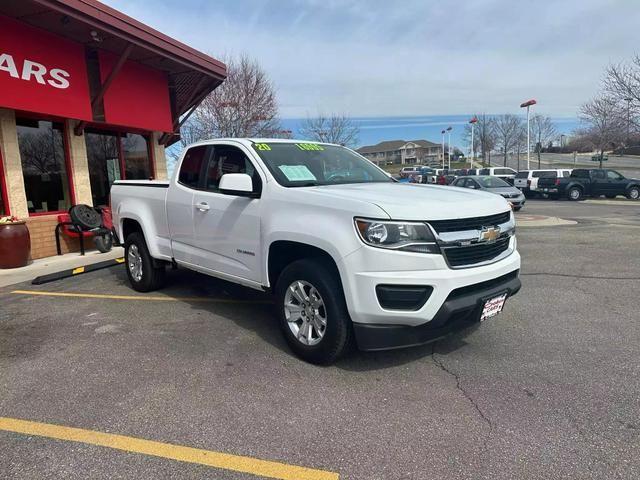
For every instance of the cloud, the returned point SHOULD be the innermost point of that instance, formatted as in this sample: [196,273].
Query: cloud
[415,57]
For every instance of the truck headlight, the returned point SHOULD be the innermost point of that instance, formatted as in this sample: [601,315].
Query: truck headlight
[404,236]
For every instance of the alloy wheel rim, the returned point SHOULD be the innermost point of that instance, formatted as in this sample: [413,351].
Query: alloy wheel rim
[635,193]
[575,194]
[305,312]
[134,261]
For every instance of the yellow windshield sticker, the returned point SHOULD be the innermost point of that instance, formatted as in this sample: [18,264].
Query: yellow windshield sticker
[263,147]
[309,146]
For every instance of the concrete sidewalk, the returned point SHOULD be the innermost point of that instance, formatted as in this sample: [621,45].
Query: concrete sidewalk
[44,266]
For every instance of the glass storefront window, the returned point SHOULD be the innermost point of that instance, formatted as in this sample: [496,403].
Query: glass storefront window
[42,153]
[136,157]
[103,156]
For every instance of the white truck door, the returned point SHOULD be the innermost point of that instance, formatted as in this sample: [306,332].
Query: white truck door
[227,227]
[180,210]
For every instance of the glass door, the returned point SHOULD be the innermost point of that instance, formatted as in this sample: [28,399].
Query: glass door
[103,155]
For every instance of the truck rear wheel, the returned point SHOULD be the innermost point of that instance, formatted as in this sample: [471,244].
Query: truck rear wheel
[575,193]
[143,275]
[312,312]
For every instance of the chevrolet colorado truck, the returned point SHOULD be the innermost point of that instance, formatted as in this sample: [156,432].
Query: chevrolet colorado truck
[590,183]
[349,254]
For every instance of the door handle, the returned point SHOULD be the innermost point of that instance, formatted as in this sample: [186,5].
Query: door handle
[202,206]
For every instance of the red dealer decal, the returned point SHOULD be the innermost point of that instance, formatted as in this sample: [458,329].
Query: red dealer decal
[41,72]
[138,96]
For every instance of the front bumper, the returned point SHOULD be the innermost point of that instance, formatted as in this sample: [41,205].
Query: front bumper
[461,309]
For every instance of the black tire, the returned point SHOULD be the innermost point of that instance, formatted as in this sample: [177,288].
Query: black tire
[338,333]
[574,194]
[104,242]
[633,193]
[151,277]
[85,216]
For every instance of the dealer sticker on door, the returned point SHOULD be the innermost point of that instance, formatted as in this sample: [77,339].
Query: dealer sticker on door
[493,306]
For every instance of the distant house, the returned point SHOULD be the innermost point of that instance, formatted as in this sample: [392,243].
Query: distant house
[403,152]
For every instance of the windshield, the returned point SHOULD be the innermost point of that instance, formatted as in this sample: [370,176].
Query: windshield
[492,182]
[311,164]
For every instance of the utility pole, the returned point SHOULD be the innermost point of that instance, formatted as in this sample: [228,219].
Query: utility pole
[443,132]
[473,122]
[629,100]
[449,131]
[528,104]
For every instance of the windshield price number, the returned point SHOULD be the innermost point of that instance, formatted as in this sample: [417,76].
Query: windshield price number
[262,147]
[309,147]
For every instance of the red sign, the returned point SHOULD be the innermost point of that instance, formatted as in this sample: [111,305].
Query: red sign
[42,72]
[138,96]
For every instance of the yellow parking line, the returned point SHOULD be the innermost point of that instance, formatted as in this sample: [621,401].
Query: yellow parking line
[237,463]
[138,297]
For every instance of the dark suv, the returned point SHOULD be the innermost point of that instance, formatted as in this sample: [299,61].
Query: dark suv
[590,183]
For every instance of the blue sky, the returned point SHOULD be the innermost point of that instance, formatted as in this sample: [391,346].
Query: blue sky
[411,57]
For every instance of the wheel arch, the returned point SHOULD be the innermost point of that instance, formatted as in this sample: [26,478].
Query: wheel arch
[283,252]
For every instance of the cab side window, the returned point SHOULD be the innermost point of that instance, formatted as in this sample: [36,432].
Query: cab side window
[612,175]
[598,175]
[228,159]
[191,167]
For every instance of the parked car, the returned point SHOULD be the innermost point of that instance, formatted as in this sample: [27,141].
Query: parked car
[349,255]
[426,175]
[406,171]
[505,173]
[527,180]
[590,183]
[494,185]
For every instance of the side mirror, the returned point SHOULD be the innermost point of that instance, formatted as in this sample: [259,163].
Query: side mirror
[239,184]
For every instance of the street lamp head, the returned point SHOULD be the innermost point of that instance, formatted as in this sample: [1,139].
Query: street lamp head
[449,129]
[528,103]
[474,120]
[443,132]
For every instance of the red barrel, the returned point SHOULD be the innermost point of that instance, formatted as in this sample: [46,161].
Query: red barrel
[15,245]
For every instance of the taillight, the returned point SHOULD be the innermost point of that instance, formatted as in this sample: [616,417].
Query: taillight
[557,182]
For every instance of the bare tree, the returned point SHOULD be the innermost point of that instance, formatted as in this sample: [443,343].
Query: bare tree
[543,131]
[605,124]
[243,106]
[622,83]
[521,143]
[338,129]
[484,138]
[507,128]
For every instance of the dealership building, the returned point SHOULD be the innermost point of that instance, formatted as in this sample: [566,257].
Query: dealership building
[88,96]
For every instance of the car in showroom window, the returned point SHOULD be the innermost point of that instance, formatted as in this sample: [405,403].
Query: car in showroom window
[312,164]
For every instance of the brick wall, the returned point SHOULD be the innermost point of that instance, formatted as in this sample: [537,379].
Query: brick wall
[43,239]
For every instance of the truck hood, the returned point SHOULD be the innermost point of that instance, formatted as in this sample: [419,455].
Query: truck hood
[407,201]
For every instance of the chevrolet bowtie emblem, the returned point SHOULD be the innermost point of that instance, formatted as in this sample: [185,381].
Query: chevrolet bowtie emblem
[489,234]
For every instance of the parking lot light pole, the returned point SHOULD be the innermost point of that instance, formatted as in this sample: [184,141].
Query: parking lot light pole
[473,122]
[443,132]
[449,131]
[628,100]
[522,105]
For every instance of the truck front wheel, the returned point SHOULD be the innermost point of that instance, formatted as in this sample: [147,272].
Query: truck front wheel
[143,275]
[312,311]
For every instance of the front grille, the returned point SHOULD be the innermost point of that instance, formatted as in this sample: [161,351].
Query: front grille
[511,195]
[475,223]
[472,254]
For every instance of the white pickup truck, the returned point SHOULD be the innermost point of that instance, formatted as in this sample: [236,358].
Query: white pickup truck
[350,255]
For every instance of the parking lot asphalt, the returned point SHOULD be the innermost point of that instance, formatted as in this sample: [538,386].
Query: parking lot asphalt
[548,389]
